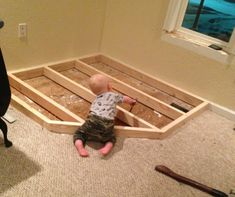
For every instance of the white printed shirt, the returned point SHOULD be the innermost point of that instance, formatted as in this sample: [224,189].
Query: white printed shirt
[105,104]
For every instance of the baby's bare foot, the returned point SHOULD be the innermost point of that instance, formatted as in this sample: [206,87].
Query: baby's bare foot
[80,148]
[106,149]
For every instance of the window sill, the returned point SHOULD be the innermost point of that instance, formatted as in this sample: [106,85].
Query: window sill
[198,46]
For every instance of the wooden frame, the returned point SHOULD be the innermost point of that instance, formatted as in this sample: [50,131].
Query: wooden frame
[68,121]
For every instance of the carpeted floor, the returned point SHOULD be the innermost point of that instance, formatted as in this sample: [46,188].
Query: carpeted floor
[42,163]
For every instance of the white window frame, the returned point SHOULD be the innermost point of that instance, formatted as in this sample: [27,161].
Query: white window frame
[174,33]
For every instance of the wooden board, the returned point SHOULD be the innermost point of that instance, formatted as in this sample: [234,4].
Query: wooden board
[57,96]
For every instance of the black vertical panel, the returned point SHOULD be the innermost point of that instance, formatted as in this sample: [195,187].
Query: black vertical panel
[195,24]
[5,91]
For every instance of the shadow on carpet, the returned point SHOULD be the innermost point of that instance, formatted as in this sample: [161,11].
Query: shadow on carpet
[15,167]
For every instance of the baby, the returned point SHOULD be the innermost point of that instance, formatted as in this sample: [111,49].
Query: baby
[99,124]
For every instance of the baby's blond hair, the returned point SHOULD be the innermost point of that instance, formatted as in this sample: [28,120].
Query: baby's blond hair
[99,84]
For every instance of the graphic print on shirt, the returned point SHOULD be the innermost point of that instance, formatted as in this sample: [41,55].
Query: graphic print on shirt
[105,104]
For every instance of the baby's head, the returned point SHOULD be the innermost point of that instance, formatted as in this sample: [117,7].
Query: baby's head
[99,84]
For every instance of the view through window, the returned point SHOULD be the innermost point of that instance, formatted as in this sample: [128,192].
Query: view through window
[215,18]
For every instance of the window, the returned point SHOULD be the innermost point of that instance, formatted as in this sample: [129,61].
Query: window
[204,26]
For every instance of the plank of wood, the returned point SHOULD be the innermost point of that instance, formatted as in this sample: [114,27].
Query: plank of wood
[29,73]
[62,127]
[133,92]
[168,129]
[152,81]
[43,100]
[121,131]
[122,114]
[146,78]
[69,84]
[139,110]
[136,132]
[62,66]
[28,110]
[92,58]
[65,127]
[140,85]
[37,70]
[33,104]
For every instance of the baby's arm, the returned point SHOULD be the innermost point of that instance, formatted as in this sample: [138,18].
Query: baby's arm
[128,100]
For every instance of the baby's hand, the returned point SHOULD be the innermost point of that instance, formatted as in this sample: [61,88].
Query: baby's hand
[133,101]
[129,100]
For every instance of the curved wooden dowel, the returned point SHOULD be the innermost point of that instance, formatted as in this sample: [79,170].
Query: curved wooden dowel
[165,170]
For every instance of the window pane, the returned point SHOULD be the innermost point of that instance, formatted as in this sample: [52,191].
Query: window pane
[215,18]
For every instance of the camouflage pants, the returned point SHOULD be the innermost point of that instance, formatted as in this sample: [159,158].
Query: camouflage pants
[96,129]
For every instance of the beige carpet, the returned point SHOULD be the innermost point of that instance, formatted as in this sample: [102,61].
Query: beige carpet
[42,163]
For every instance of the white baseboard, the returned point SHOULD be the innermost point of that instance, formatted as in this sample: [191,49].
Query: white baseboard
[223,111]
